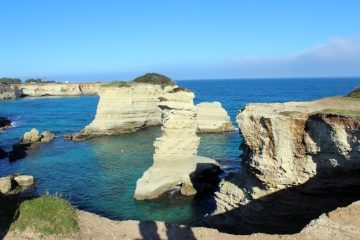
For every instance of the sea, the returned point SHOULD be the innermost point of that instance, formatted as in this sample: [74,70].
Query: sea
[99,175]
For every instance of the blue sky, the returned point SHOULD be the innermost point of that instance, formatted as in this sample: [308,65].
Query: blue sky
[87,40]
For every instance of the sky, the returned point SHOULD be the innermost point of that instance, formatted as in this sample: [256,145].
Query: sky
[88,40]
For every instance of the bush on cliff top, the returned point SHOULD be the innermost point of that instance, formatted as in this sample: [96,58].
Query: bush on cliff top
[7,80]
[117,84]
[354,93]
[155,78]
[46,215]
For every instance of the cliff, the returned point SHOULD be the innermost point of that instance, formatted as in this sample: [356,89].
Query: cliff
[126,109]
[212,117]
[300,159]
[175,161]
[286,144]
[132,106]
[8,92]
[57,89]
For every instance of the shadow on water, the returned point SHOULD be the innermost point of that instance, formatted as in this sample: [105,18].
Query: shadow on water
[289,210]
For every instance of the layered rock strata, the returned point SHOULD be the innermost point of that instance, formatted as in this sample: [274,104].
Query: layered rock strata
[8,92]
[58,89]
[300,159]
[212,117]
[126,109]
[175,161]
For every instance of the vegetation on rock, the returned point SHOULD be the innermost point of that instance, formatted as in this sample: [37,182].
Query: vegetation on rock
[354,93]
[45,215]
[8,80]
[119,84]
[178,89]
[155,78]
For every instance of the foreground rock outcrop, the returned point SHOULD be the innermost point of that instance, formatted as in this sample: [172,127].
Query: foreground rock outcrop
[300,159]
[175,161]
[340,224]
[212,117]
[286,144]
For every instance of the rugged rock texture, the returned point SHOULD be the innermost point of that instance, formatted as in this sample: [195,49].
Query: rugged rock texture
[212,117]
[8,92]
[340,224]
[30,139]
[126,109]
[15,183]
[175,160]
[286,144]
[57,89]
[300,159]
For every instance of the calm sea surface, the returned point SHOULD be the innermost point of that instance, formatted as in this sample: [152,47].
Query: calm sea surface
[100,175]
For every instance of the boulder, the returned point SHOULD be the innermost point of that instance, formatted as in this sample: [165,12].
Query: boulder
[24,180]
[6,184]
[46,136]
[31,137]
[212,117]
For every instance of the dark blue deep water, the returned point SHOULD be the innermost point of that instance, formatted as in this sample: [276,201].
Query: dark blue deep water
[100,175]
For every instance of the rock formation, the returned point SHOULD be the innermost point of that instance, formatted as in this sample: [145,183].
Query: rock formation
[126,109]
[15,183]
[212,117]
[31,138]
[295,155]
[8,92]
[286,144]
[175,161]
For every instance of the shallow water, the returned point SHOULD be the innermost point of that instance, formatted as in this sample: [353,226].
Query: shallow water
[99,175]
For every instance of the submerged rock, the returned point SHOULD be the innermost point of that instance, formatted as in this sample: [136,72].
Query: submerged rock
[3,154]
[212,117]
[4,123]
[175,161]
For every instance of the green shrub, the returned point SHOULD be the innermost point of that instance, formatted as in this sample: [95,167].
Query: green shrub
[46,215]
[10,80]
[354,93]
[155,78]
[178,89]
[119,84]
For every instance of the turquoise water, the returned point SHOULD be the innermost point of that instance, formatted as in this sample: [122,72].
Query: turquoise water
[99,175]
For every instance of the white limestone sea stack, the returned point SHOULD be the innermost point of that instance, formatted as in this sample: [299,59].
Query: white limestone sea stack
[126,109]
[212,117]
[175,161]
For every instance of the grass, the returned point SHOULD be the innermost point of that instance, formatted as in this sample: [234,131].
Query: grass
[354,93]
[45,215]
[119,84]
[290,113]
[156,79]
[178,89]
[341,112]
